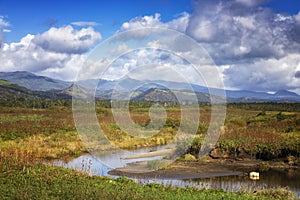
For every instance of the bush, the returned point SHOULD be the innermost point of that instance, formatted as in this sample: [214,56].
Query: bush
[189,157]
[280,116]
[157,164]
[262,113]
[264,166]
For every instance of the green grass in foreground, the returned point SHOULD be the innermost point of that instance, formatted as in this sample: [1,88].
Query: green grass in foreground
[48,182]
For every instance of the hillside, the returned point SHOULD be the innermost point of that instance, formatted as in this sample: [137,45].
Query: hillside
[34,82]
[9,90]
[183,96]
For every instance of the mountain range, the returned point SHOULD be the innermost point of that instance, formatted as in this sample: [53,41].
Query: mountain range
[34,82]
[28,85]
[10,90]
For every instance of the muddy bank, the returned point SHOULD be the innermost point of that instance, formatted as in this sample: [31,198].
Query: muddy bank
[205,168]
[191,169]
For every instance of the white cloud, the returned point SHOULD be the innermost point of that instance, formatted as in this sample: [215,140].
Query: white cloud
[255,47]
[85,23]
[67,39]
[231,35]
[252,3]
[260,48]
[61,58]
[245,22]
[3,22]
[3,28]
[139,58]
[142,22]
[156,64]
[121,49]
[70,70]
[180,24]
[265,74]
[297,17]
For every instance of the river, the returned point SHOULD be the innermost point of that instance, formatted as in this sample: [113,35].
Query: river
[101,163]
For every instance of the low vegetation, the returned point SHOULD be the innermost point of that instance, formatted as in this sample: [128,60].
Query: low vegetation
[262,135]
[35,132]
[36,181]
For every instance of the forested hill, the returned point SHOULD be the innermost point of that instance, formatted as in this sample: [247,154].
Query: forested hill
[10,90]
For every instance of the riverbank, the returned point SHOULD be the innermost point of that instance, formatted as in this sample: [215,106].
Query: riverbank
[200,169]
[188,166]
[227,175]
[48,182]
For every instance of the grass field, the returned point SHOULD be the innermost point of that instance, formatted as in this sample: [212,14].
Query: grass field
[30,136]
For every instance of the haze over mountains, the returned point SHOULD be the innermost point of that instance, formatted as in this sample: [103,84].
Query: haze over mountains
[22,84]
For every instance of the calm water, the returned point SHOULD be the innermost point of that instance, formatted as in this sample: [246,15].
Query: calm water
[102,163]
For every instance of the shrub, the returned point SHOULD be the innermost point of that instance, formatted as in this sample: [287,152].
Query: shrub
[280,116]
[264,166]
[262,113]
[157,164]
[189,157]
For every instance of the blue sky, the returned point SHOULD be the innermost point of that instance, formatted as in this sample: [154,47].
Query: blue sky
[35,16]
[284,6]
[255,44]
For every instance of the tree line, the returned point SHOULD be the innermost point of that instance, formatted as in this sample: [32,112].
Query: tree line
[43,104]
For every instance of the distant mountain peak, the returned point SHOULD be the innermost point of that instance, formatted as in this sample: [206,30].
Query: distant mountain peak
[286,93]
[156,94]
[76,91]
[74,86]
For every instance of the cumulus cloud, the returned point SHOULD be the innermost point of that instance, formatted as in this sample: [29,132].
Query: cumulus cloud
[265,74]
[67,39]
[142,22]
[259,47]
[180,23]
[236,30]
[56,53]
[157,64]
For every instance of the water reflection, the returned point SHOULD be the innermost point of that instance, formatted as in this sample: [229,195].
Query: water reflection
[101,163]
[95,165]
